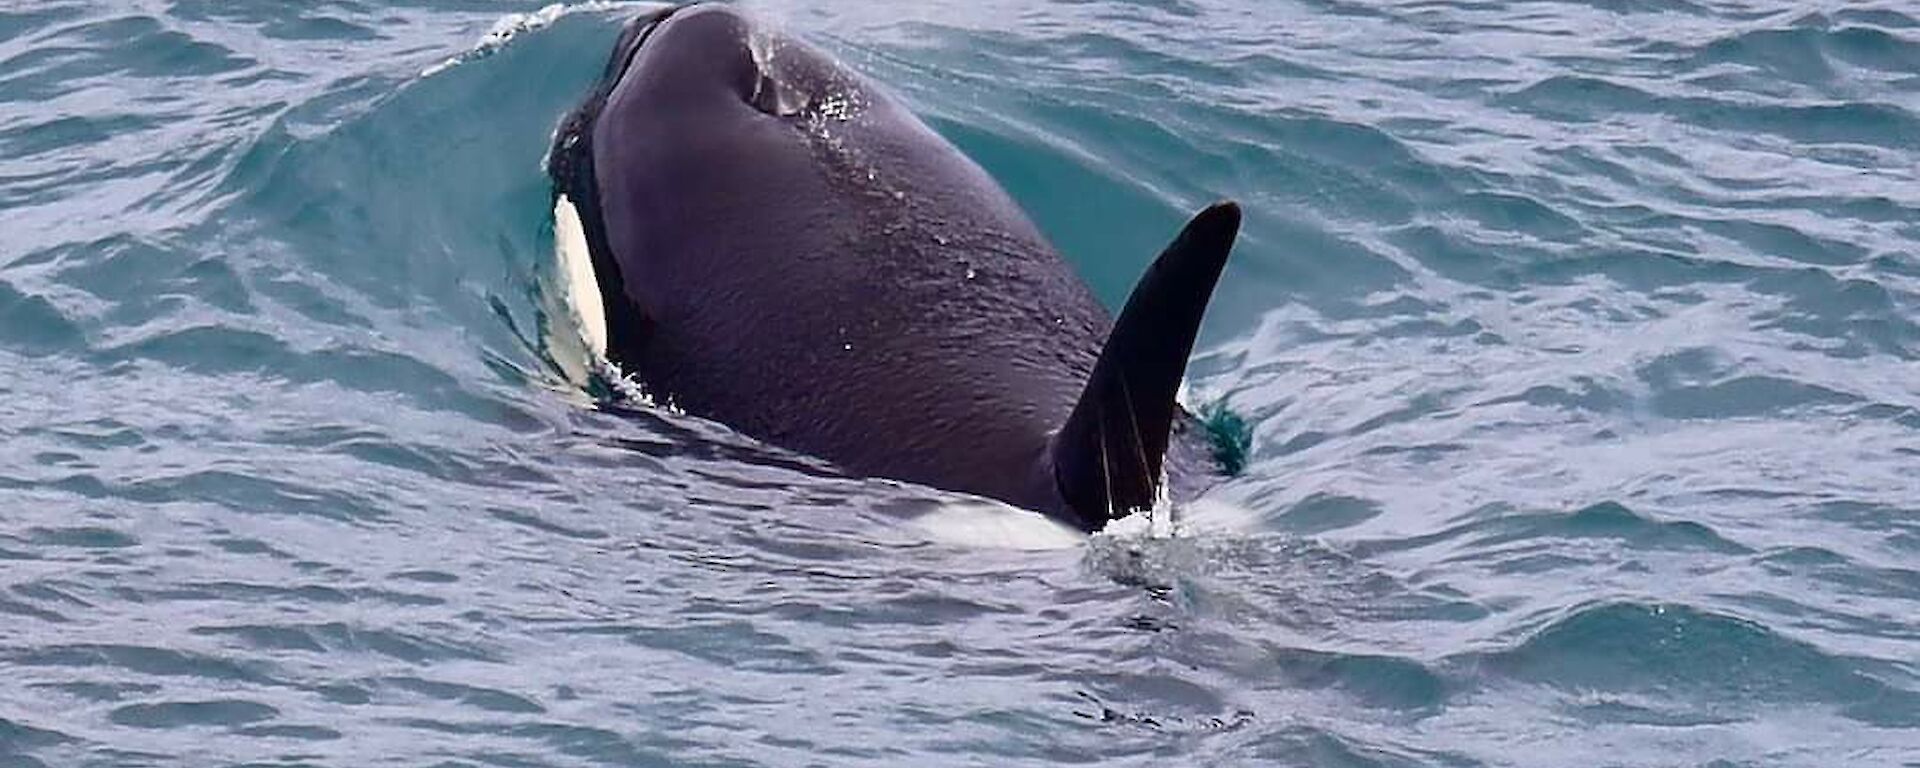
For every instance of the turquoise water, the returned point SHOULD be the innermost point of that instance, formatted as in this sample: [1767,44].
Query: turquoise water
[1578,345]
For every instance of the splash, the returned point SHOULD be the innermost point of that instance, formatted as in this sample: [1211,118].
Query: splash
[514,25]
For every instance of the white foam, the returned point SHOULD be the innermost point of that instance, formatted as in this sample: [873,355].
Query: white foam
[1156,524]
[512,25]
[1214,514]
[1168,520]
[990,524]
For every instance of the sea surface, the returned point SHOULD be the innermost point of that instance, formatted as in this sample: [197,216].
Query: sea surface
[1576,346]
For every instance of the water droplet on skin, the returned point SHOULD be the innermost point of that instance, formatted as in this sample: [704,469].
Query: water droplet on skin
[837,107]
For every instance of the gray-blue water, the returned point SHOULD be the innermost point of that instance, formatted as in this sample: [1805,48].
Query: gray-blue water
[1578,344]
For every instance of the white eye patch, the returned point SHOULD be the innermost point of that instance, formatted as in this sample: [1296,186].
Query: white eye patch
[578,281]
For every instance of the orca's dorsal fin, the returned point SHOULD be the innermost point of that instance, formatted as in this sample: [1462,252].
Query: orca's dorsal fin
[1107,458]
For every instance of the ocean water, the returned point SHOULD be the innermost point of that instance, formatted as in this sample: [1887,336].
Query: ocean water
[1577,345]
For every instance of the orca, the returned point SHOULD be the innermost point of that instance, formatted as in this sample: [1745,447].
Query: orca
[771,240]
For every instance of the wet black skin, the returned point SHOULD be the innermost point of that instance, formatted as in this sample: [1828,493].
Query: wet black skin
[784,248]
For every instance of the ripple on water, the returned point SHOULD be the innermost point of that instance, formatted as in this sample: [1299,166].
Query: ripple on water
[143,660]
[16,738]
[1382,682]
[1717,666]
[178,714]
[32,326]
[1808,53]
[337,638]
